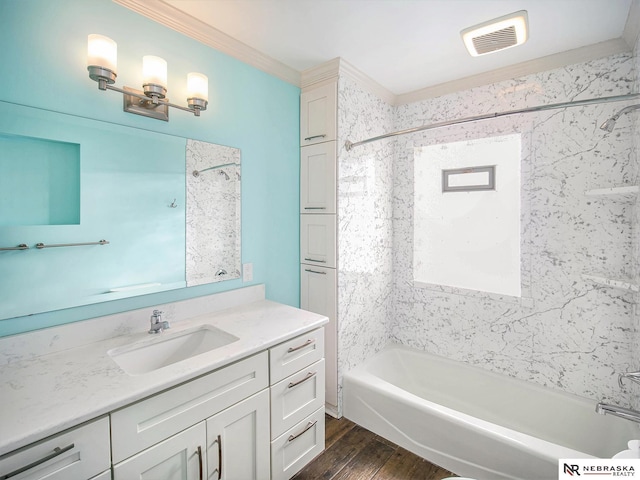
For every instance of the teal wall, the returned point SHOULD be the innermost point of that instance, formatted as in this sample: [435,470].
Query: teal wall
[43,65]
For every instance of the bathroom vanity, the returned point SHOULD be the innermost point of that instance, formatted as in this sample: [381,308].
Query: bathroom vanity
[244,400]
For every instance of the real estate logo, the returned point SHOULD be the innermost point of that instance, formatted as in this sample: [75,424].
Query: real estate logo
[572,469]
[598,468]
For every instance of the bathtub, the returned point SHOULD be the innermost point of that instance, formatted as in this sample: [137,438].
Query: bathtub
[476,423]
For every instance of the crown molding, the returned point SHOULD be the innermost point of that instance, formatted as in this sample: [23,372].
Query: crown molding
[179,21]
[320,74]
[331,70]
[171,17]
[632,27]
[550,62]
[366,82]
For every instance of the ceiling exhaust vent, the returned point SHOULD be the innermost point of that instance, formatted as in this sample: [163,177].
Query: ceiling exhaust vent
[497,34]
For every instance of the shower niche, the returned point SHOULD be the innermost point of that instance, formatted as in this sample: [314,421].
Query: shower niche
[39,181]
[625,194]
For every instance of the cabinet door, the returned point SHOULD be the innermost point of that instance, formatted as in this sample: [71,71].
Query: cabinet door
[181,457]
[318,178]
[238,441]
[78,453]
[318,114]
[318,295]
[318,240]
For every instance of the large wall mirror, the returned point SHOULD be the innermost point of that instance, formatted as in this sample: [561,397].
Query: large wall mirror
[99,211]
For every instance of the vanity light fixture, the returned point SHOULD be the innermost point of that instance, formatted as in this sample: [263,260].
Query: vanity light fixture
[497,34]
[151,101]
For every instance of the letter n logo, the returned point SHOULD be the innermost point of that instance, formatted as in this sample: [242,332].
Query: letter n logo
[572,469]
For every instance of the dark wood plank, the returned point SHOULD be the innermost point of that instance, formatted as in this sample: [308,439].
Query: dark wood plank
[355,453]
[335,429]
[334,458]
[367,462]
[404,465]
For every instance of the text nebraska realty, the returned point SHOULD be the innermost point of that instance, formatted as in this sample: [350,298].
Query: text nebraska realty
[612,470]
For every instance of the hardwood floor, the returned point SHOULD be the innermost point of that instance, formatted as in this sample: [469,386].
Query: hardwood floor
[354,453]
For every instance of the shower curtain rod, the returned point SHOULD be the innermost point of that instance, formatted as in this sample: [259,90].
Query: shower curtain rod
[576,103]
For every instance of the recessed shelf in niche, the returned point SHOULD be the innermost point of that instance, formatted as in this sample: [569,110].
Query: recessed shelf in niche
[626,285]
[625,193]
[39,181]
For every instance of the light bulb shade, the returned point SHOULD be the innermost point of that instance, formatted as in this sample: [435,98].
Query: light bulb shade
[154,71]
[102,52]
[197,86]
[102,58]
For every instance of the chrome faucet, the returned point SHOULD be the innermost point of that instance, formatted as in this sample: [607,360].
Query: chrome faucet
[622,412]
[157,324]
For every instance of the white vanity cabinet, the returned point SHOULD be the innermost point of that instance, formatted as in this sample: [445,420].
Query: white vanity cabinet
[318,114]
[171,424]
[297,403]
[80,453]
[231,424]
[172,434]
[154,419]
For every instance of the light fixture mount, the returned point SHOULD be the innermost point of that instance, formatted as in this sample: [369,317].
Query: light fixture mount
[136,101]
[100,74]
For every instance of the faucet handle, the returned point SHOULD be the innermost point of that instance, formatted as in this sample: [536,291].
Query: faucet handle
[157,313]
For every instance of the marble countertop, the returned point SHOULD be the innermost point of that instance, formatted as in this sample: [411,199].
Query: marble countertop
[46,394]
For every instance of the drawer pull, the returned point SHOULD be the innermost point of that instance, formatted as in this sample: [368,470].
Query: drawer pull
[56,451]
[315,208]
[200,468]
[305,344]
[314,260]
[316,136]
[295,384]
[314,271]
[309,425]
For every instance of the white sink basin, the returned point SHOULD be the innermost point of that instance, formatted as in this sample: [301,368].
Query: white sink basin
[166,349]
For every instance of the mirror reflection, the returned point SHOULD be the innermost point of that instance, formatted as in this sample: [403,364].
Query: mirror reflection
[213,213]
[124,185]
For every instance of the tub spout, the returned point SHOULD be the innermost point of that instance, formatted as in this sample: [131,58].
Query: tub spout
[622,412]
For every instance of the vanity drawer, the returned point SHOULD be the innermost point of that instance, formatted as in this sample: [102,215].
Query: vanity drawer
[296,354]
[291,451]
[81,452]
[296,397]
[150,421]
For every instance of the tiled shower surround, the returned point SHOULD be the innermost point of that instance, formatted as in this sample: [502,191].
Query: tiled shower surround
[566,332]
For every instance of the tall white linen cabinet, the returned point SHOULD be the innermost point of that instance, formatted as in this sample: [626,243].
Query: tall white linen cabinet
[318,219]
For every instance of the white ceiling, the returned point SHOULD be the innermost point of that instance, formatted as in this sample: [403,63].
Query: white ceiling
[405,45]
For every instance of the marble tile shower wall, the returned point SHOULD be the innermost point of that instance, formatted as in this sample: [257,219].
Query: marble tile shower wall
[570,334]
[365,249]
[636,225]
